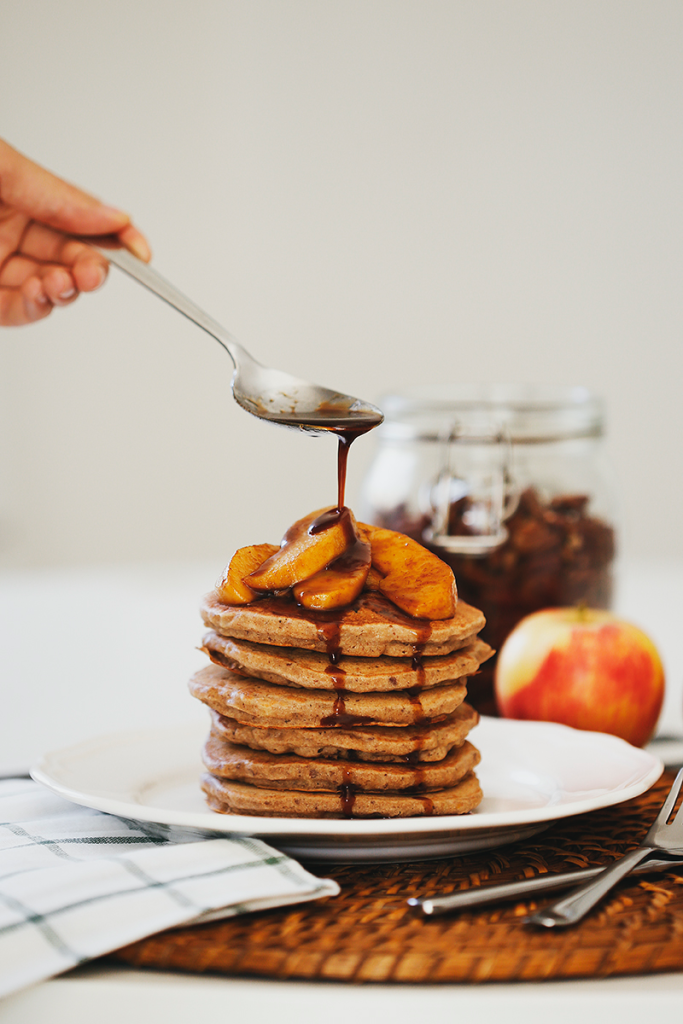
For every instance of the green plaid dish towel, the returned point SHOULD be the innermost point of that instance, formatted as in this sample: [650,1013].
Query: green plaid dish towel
[76,883]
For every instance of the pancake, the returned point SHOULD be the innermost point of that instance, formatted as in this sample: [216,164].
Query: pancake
[416,743]
[252,702]
[289,771]
[291,666]
[370,627]
[228,797]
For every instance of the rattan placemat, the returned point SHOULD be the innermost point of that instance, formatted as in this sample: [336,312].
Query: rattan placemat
[369,934]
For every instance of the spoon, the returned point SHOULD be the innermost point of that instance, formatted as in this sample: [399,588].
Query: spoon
[269,394]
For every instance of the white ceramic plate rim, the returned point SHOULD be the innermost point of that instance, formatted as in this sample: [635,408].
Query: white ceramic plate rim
[68,772]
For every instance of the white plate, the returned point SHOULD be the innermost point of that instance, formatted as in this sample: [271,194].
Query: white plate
[532,773]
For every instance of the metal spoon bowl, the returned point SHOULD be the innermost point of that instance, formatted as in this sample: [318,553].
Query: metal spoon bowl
[269,394]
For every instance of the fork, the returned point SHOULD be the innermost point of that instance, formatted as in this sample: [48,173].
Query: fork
[481,896]
[662,839]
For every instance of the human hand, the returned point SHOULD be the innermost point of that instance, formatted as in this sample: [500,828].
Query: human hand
[40,266]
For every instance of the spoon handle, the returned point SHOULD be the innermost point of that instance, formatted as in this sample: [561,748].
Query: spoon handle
[150,278]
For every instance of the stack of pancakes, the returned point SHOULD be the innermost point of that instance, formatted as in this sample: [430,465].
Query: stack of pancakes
[353,713]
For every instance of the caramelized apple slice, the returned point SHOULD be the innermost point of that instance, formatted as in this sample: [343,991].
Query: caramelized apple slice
[339,583]
[307,547]
[231,586]
[415,580]
[374,579]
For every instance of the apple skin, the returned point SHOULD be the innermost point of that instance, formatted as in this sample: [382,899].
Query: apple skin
[581,667]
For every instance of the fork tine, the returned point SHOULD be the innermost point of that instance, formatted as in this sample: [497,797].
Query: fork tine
[669,803]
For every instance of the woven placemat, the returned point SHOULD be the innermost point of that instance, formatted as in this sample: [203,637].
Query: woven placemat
[369,934]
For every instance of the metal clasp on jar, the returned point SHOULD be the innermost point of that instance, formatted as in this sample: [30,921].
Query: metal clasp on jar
[474,492]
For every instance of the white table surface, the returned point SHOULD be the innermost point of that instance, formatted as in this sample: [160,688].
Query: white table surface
[111,995]
[88,651]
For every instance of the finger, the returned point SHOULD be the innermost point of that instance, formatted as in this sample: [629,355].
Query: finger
[12,228]
[136,242]
[89,272]
[17,269]
[49,246]
[87,267]
[36,303]
[27,187]
[59,286]
[19,307]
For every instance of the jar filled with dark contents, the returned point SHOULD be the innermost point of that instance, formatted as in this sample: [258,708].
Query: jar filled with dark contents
[509,485]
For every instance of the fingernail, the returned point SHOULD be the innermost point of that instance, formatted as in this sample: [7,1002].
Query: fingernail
[67,294]
[140,249]
[42,300]
[101,275]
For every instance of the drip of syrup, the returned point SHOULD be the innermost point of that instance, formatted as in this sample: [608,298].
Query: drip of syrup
[330,518]
[345,441]
[413,695]
[330,630]
[346,435]
[417,665]
[423,633]
[338,675]
[347,793]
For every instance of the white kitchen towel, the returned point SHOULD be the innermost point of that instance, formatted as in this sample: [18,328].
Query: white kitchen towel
[76,883]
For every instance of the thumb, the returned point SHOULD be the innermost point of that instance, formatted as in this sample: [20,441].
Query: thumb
[33,191]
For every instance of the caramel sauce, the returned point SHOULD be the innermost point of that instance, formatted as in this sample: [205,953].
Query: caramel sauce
[347,793]
[418,780]
[320,420]
[329,630]
[347,434]
[356,556]
[422,635]
[418,665]
[328,626]
[346,439]
[339,709]
[341,720]
[330,518]
[369,601]
[413,695]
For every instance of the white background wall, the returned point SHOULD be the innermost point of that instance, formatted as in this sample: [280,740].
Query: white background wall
[370,193]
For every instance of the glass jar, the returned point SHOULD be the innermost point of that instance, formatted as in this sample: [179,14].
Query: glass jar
[510,486]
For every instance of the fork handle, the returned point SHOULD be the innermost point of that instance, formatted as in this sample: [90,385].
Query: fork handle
[574,907]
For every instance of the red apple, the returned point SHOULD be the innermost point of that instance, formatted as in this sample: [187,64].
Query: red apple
[584,668]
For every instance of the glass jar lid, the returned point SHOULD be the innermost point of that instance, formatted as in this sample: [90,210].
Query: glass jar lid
[524,413]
